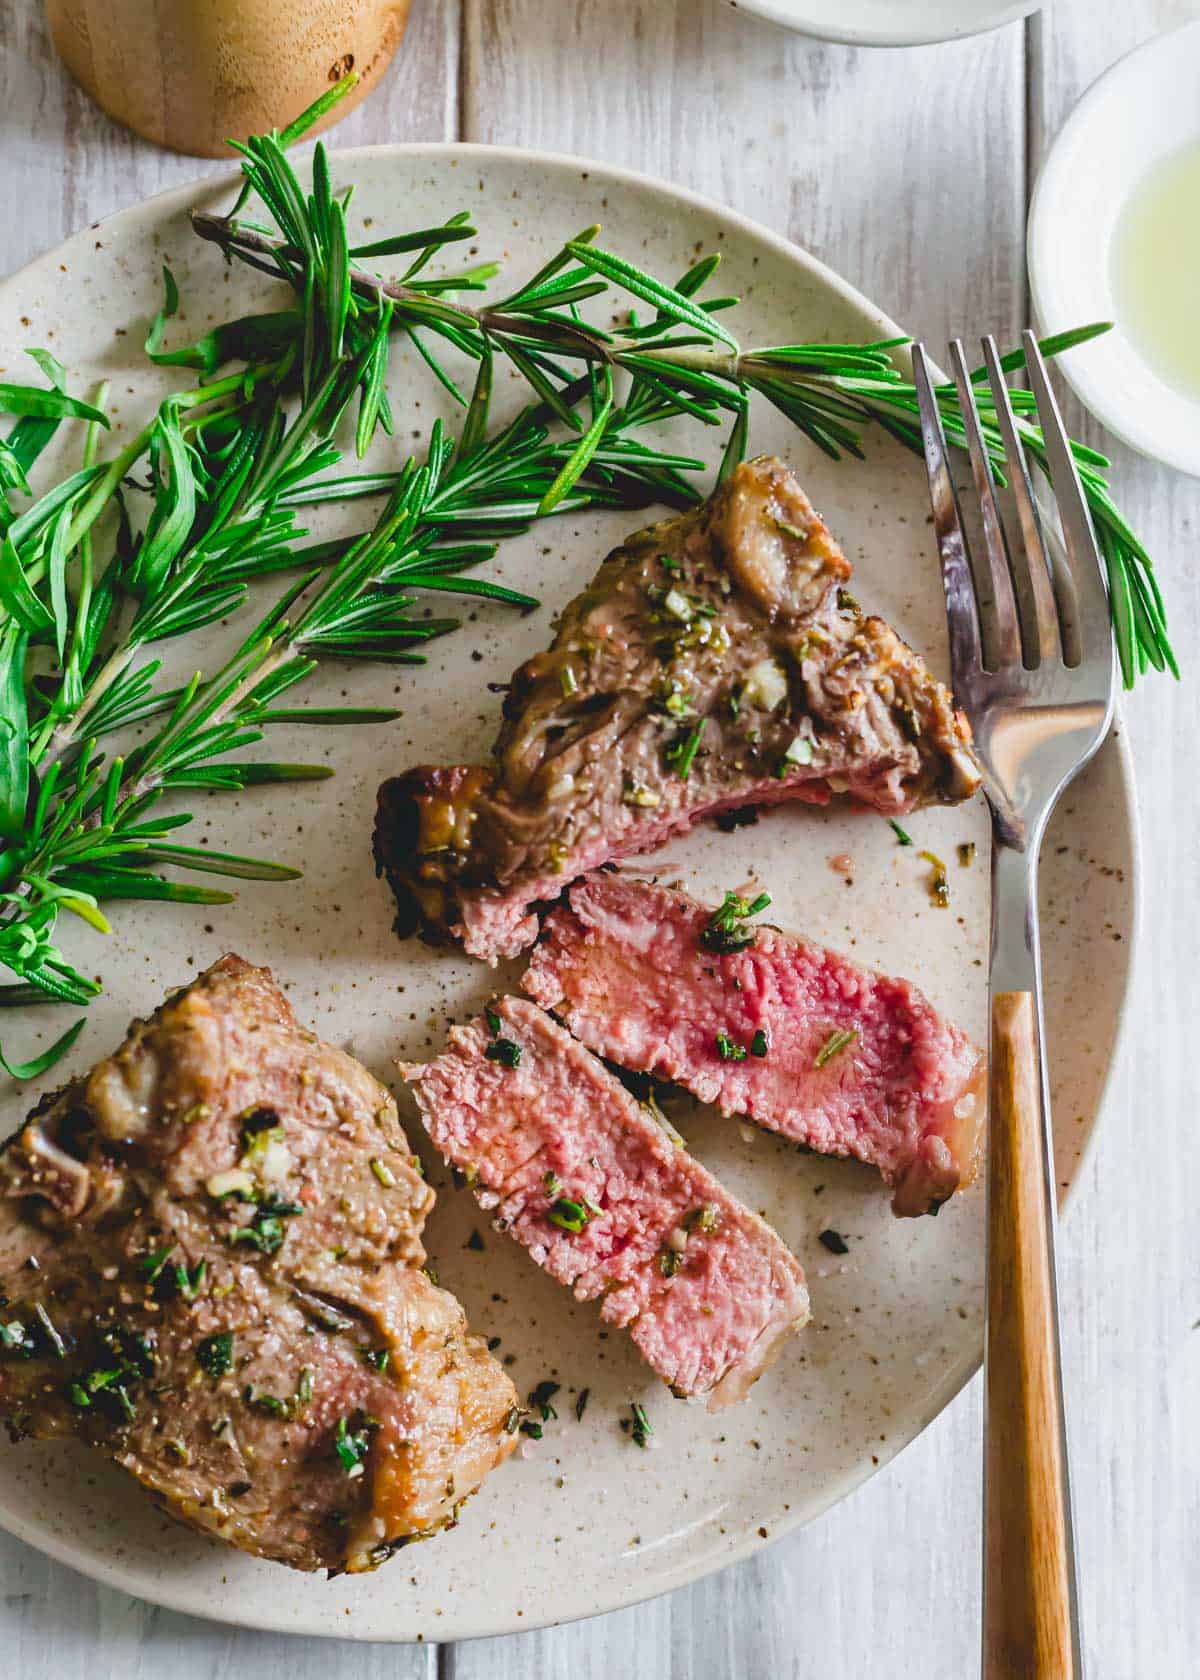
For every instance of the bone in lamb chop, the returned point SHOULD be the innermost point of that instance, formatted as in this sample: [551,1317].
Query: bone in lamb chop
[714,663]
[210,1269]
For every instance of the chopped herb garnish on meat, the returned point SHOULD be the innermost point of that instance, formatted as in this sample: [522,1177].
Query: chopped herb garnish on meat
[383,1173]
[189,1283]
[800,752]
[759,1044]
[677,604]
[835,1242]
[57,1346]
[728,1050]
[640,1429]
[214,1354]
[726,929]
[638,794]
[669,1261]
[676,699]
[568,681]
[939,884]
[352,1444]
[670,564]
[287,1409]
[679,754]
[130,1360]
[377,1358]
[265,1232]
[581,1404]
[512,1420]
[504,1051]
[966,853]
[902,835]
[14,1338]
[766,686]
[493,1021]
[834,1045]
[152,1265]
[796,531]
[541,1397]
[260,1128]
[551,1184]
[571,1216]
[704,1218]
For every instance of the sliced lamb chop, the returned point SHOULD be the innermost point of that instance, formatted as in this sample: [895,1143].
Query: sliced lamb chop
[767,1025]
[583,1176]
[210,1270]
[714,663]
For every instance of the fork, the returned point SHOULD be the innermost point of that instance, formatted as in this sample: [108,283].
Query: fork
[1032,660]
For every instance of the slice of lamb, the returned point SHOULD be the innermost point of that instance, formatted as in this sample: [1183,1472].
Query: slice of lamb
[226,1222]
[583,1177]
[795,1037]
[715,662]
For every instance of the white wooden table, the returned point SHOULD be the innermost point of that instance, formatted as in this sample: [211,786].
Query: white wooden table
[908,172]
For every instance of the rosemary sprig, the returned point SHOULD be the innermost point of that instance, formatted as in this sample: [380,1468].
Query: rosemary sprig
[687,362]
[103,565]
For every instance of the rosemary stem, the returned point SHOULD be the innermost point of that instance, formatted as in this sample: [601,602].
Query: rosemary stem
[65,731]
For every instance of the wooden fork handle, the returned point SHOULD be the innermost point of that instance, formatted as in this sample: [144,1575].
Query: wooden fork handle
[1027,1631]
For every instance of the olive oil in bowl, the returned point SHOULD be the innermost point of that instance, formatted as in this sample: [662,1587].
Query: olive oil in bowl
[1155,271]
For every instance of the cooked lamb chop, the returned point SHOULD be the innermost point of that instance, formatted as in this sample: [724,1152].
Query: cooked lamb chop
[587,1180]
[210,1270]
[715,663]
[767,1025]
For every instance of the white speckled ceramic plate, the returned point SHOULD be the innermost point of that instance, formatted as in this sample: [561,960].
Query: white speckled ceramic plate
[586,1522]
[890,23]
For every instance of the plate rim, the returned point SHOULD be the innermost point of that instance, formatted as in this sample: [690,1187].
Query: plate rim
[177,198]
[782,14]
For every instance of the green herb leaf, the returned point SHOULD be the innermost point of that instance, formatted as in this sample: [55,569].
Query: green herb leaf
[37,1065]
[837,1041]
[214,1354]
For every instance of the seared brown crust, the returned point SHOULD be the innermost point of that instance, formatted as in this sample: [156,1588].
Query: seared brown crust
[729,620]
[215,1116]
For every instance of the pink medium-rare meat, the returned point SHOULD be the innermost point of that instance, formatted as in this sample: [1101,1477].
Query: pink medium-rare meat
[767,1025]
[585,1179]
[714,663]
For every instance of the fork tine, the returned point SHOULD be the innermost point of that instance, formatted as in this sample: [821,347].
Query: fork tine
[1037,565]
[961,614]
[1007,631]
[1083,552]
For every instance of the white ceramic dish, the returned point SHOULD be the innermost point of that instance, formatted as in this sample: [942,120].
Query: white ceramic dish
[1136,115]
[889,23]
[587,1523]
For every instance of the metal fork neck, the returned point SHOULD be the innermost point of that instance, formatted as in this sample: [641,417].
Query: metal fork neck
[1016,966]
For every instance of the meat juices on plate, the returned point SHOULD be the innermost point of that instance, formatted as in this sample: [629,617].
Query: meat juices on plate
[585,1179]
[715,662]
[210,1268]
[770,1026]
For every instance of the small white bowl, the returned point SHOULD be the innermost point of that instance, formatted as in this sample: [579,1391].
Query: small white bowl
[1140,112]
[890,23]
